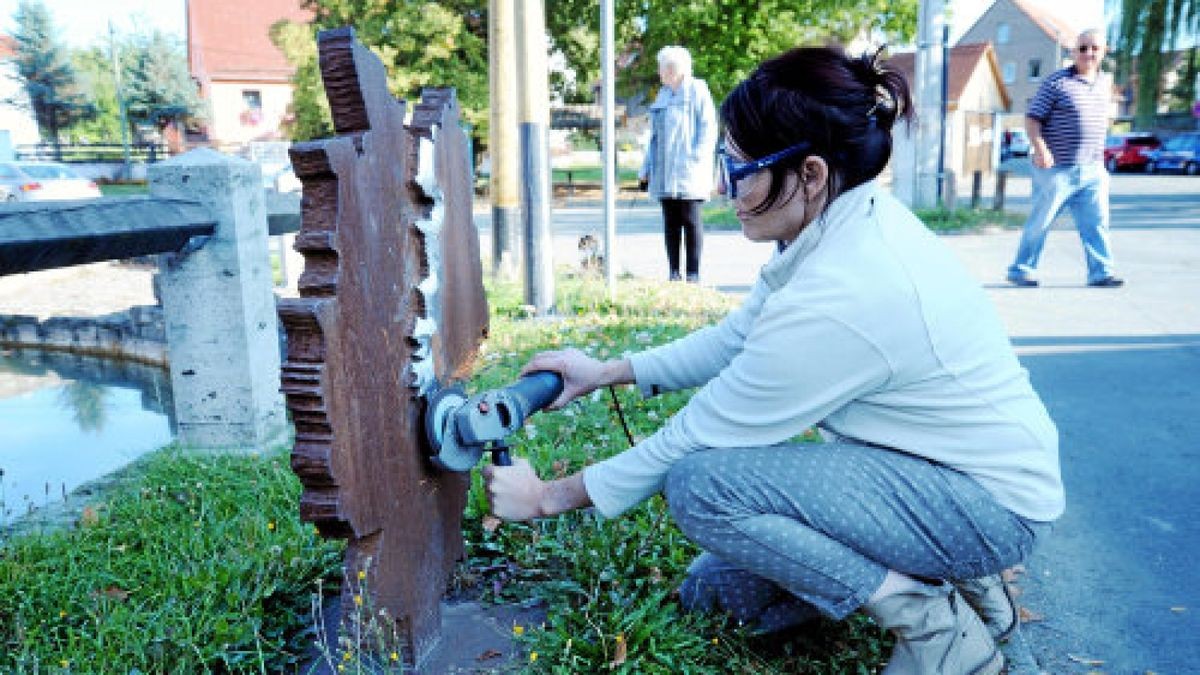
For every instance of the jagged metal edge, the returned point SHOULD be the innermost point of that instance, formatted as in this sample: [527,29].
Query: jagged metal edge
[422,362]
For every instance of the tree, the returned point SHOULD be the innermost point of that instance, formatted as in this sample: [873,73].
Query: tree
[44,66]
[1147,28]
[727,38]
[156,83]
[309,115]
[422,43]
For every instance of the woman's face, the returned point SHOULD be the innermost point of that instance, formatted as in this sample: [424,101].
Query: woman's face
[669,75]
[785,220]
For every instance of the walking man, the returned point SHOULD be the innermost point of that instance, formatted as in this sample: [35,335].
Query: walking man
[1067,121]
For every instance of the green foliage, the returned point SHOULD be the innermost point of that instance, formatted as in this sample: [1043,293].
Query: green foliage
[309,116]
[421,43]
[191,564]
[727,38]
[44,66]
[1147,27]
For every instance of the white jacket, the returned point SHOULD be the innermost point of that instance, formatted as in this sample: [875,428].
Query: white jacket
[869,326]
[680,158]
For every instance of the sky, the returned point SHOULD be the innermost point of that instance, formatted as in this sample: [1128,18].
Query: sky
[84,22]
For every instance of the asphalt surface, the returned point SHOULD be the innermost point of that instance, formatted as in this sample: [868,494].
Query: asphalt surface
[1115,588]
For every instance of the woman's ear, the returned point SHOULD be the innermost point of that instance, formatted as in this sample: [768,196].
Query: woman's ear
[814,174]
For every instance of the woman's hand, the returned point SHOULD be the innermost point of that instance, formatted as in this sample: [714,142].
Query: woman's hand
[581,373]
[515,492]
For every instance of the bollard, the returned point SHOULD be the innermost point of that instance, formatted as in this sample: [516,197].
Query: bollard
[219,310]
[976,189]
[1001,181]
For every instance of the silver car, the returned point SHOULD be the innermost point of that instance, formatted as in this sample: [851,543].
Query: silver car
[43,181]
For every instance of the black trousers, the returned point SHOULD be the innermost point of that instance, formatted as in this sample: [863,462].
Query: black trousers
[682,222]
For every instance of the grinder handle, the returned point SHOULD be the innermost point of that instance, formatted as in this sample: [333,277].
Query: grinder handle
[501,457]
[537,390]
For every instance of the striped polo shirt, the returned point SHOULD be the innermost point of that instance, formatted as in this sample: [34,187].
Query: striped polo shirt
[1073,113]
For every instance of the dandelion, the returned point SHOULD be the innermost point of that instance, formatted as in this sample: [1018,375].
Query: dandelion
[357,600]
[716,641]
[532,657]
[271,526]
[62,613]
[518,629]
[395,656]
[362,574]
[341,668]
[64,663]
[345,656]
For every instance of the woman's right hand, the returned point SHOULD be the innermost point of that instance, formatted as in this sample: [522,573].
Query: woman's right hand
[581,373]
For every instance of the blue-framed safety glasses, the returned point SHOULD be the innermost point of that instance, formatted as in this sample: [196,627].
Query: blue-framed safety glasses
[733,171]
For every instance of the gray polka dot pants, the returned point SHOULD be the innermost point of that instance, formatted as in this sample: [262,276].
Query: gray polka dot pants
[796,530]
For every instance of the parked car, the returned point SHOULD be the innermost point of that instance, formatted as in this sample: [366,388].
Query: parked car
[1179,153]
[1129,151]
[43,181]
[1014,143]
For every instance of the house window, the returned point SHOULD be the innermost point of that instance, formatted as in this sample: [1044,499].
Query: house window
[1035,70]
[1002,34]
[251,107]
[1010,72]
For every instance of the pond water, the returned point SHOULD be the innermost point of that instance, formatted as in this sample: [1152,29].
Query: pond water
[67,419]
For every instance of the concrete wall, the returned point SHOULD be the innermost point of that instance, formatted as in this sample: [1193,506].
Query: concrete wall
[137,334]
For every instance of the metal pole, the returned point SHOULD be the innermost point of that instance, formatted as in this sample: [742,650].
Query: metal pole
[533,125]
[608,145]
[503,147]
[928,92]
[116,64]
[942,130]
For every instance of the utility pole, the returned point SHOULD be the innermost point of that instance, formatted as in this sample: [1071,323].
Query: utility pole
[534,121]
[608,144]
[503,147]
[116,65]
[928,90]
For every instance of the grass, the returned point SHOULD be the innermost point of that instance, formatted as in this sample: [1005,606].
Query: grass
[124,189]
[190,564]
[719,216]
[200,564]
[591,174]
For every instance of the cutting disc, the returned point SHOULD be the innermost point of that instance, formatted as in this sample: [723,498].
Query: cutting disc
[448,453]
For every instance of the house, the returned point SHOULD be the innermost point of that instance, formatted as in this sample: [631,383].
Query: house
[1030,43]
[241,74]
[975,100]
[17,123]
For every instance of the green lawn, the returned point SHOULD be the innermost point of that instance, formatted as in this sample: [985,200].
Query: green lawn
[124,189]
[200,564]
[719,215]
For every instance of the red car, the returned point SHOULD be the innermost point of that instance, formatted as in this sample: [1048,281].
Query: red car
[1129,151]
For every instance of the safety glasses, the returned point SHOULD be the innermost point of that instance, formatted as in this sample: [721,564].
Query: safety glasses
[733,171]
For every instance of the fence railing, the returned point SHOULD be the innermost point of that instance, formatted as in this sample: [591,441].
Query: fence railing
[90,152]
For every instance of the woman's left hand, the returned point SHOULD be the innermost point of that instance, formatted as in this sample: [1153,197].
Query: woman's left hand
[515,492]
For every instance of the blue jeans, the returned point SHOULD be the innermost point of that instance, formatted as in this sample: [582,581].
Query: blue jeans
[1082,187]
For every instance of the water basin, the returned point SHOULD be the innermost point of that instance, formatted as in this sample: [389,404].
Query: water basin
[66,420]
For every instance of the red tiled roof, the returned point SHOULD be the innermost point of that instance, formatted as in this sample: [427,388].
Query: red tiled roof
[964,61]
[1056,27]
[228,39]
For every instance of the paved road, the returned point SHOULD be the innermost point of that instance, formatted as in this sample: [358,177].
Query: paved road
[1119,370]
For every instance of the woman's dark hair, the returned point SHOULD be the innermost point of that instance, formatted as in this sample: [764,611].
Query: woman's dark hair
[843,107]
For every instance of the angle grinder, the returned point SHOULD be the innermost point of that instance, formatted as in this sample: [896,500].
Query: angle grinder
[460,428]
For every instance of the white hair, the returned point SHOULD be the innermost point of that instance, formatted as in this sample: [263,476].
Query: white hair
[1095,33]
[677,58]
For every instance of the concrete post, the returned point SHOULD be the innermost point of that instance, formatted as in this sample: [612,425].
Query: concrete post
[504,147]
[219,310]
[533,117]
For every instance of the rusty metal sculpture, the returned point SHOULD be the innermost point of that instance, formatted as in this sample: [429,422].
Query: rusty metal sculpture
[391,296]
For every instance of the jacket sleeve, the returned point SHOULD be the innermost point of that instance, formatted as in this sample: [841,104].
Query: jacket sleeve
[704,143]
[648,158]
[795,368]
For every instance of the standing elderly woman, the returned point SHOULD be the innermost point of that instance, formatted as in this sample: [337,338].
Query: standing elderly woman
[940,466]
[678,169]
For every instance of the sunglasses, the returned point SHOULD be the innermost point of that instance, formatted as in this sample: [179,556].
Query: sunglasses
[1083,49]
[733,171]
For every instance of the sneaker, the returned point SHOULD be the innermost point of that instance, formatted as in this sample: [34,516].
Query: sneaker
[1107,282]
[1022,281]
[992,600]
[674,276]
[693,278]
